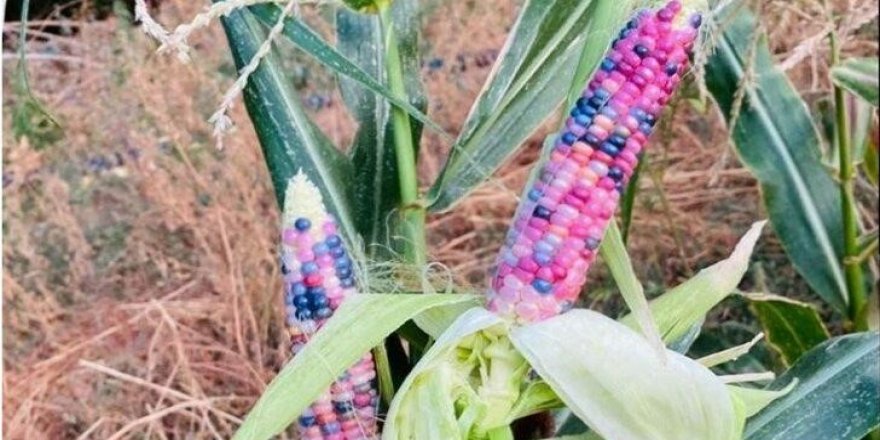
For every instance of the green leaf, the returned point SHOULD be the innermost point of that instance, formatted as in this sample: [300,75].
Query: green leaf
[614,255]
[792,327]
[289,139]
[677,310]
[776,139]
[529,80]
[837,395]
[357,326]
[754,400]
[614,381]
[312,43]
[435,321]
[859,77]
[376,184]
[871,163]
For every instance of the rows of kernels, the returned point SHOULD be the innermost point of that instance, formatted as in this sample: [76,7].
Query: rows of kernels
[317,272]
[318,276]
[563,216]
[347,411]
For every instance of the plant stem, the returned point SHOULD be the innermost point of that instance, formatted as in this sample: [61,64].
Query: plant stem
[853,271]
[412,208]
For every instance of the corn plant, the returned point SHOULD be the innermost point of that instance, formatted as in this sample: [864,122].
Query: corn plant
[469,365]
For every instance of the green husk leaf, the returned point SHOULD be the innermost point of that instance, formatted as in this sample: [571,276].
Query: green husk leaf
[614,381]
[677,310]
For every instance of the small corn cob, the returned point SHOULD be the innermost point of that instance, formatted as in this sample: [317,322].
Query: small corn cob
[317,279]
[562,219]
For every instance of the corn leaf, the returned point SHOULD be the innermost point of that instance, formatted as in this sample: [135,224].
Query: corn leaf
[357,326]
[792,327]
[289,139]
[376,185]
[837,395]
[677,310]
[312,43]
[614,381]
[531,77]
[776,139]
[860,77]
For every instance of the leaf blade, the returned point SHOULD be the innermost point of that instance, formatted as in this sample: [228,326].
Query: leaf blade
[776,139]
[792,327]
[836,397]
[859,77]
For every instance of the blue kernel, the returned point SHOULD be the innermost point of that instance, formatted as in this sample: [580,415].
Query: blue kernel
[320,248]
[624,33]
[337,252]
[299,288]
[671,69]
[592,243]
[342,262]
[592,139]
[617,140]
[575,112]
[303,314]
[323,313]
[300,301]
[546,177]
[319,301]
[330,428]
[615,173]
[583,120]
[334,241]
[609,149]
[309,267]
[302,224]
[308,421]
[542,258]
[583,104]
[347,282]
[610,112]
[542,286]
[534,194]
[596,102]
[543,246]
[650,119]
[590,111]
[345,272]
[638,113]
[696,20]
[601,93]
[645,128]
[632,24]
[342,406]
[288,298]
[619,186]
[568,138]
[541,212]
[641,50]
[284,269]
[608,64]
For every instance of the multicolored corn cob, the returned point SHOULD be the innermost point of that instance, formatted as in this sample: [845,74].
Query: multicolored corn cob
[563,216]
[318,276]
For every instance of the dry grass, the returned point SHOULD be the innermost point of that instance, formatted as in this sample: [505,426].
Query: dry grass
[141,299]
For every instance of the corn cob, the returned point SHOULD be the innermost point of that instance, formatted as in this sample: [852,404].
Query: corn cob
[563,216]
[318,276]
